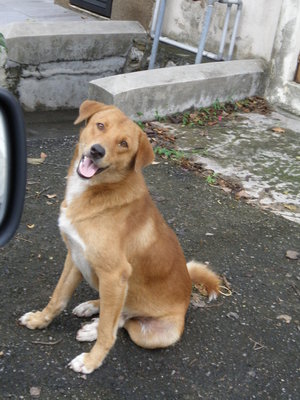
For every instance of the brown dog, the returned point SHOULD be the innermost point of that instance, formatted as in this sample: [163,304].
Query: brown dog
[118,241]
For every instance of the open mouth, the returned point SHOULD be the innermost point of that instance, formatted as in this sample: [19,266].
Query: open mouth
[87,168]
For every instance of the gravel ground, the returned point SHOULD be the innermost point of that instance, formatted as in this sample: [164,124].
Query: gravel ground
[241,347]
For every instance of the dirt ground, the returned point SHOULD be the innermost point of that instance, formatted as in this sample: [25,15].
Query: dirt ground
[245,346]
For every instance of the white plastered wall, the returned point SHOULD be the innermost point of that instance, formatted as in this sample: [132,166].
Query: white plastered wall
[257,29]
[280,86]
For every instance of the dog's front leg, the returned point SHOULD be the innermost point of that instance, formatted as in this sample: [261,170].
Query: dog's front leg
[113,288]
[69,280]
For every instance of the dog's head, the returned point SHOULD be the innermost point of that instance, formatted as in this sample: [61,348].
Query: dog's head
[110,144]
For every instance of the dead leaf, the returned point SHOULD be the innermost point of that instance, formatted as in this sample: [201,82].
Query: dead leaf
[196,301]
[30,226]
[232,315]
[1,353]
[193,115]
[290,207]
[212,123]
[292,254]
[51,196]
[35,391]
[35,161]
[226,189]
[284,317]
[242,194]
[277,129]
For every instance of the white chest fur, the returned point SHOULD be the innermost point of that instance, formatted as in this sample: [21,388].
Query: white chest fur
[76,185]
[76,245]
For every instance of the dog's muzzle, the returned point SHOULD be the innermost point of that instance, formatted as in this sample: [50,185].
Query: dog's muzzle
[87,167]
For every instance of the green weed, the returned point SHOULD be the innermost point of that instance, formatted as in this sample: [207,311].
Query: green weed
[158,117]
[212,178]
[140,124]
[169,153]
[2,41]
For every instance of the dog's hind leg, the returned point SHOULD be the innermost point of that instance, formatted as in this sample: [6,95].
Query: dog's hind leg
[152,333]
[87,309]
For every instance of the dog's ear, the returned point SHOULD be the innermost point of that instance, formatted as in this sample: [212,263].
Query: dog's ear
[145,153]
[89,108]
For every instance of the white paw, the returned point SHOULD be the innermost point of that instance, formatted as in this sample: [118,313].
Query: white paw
[212,296]
[25,318]
[85,309]
[77,364]
[88,332]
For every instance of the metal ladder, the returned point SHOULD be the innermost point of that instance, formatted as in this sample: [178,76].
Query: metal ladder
[157,22]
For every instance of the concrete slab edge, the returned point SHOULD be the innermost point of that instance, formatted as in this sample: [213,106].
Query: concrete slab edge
[166,91]
[33,43]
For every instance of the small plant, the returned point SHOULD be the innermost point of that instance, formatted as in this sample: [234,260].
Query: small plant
[169,153]
[217,106]
[140,124]
[2,41]
[158,117]
[185,119]
[212,178]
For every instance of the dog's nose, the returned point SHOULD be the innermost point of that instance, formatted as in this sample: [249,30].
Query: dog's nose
[97,151]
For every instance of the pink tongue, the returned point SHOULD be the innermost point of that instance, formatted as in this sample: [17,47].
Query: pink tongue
[87,168]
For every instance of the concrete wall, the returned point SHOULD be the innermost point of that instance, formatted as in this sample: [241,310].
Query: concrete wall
[184,19]
[133,10]
[280,86]
[129,10]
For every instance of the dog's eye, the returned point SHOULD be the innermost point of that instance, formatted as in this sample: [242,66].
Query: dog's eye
[124,143]
[100,126]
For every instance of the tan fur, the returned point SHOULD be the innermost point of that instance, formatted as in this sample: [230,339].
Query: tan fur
[117,237]
[201,274]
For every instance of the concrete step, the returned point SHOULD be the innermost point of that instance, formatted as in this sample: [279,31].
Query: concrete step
[49,64]
[40,42]
[174,89]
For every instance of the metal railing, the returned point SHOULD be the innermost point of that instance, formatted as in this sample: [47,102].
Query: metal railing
[156,27]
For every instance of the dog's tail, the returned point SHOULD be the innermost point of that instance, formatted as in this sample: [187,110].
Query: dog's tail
[201,274]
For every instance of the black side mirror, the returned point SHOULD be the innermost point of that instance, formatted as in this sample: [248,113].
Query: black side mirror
[12,165]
